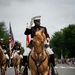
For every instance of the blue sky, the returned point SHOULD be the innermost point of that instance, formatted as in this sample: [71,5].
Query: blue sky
[56,14]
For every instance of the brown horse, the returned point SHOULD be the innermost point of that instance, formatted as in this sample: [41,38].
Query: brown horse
[3,62]
[38,58]
[16,63]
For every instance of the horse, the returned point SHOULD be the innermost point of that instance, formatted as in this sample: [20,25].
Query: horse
[16,61]
[3,62]
[38,57]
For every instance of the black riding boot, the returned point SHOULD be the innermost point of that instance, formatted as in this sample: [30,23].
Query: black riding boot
[52,60]
[25,66]
[23,61]
[8,63]
[11,64]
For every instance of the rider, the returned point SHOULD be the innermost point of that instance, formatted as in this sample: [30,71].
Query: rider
[4,47]
[16,48]
[30,30]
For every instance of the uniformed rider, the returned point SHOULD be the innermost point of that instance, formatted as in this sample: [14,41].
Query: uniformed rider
[29,31]
[4,47]
[16,48]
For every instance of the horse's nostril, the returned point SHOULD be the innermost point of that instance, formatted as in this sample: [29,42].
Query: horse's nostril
[19,73]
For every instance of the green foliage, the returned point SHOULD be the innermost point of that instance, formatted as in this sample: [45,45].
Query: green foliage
[63,42]
[3,32]
[57,43]
[69,35]
[5,35]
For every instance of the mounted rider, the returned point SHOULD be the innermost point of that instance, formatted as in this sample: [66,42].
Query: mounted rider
[4,47]
[29,31]
[16,48]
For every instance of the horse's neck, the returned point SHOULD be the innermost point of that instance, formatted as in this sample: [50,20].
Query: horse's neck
[38,49]
[1,55]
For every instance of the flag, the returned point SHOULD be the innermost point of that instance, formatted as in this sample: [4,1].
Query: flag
[27,40]
[11,38]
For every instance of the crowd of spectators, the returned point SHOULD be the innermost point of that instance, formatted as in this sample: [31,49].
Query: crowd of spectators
[69,61]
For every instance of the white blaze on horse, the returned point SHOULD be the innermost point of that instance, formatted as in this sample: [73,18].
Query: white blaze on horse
[3,62]
[16,63]
[38,58]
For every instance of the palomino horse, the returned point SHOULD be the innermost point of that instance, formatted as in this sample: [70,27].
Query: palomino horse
[3,62]
[16,63]
[38,58]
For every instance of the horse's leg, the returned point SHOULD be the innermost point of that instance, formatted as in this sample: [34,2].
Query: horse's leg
[33,72]
[19,66]
[5,66]
[14,69]
[18,69]
[46,73]
[2,71]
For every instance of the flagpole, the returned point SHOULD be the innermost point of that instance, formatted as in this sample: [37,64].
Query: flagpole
[9,46]
[11,40]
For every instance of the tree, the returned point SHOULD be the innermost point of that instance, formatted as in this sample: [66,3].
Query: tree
[56,43]
[63,42]
[69,36]
[3,32]
[5,35]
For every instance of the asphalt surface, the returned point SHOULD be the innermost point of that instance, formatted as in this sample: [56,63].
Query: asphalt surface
[62,69]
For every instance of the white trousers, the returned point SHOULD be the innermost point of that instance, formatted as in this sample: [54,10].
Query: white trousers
[7,56]
[26,52]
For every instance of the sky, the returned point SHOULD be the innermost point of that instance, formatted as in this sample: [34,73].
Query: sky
[55,15]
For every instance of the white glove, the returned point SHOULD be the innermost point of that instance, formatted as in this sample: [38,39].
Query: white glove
[29,27]
[31,22]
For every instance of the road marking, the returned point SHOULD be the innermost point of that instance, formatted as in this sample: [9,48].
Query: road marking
[65,67]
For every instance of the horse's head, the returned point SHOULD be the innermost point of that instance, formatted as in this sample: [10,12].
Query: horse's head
[38,40]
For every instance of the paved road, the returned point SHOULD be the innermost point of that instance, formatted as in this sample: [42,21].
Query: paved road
[63,69]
